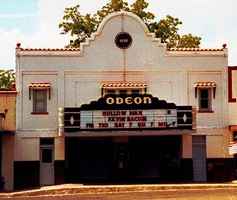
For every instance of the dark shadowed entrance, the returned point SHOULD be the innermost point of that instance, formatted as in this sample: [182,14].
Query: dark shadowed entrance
[125,159]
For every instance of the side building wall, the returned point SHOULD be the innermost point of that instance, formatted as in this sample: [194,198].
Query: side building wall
[8,109]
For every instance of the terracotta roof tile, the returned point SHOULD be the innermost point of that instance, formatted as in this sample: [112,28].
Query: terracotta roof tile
[49,49]
[205,84]
[39,85]
[124,85]
[194,49]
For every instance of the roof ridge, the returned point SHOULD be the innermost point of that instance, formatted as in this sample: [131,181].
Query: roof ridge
[194,49]
[49,49]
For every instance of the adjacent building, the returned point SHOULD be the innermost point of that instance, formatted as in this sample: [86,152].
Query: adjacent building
[122,107]
[232,87]
[7,132]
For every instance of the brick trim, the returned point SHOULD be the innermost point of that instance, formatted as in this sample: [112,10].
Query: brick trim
[231,99]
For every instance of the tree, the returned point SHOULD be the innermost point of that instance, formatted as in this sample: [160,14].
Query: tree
[7,78]
[82,26]
[112,6]
[138,8]
[189,41]
[167,30]
[78,25]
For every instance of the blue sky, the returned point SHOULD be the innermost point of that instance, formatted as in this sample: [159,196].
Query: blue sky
[34,23]
[22,14]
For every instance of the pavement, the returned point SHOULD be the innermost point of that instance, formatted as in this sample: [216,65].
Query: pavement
[75,189]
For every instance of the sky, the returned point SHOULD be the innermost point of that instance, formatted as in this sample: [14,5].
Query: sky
[34,23]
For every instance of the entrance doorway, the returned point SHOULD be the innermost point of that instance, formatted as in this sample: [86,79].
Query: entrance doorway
[157,158]
[46,162]
[88,159]
[132,159]
[120,159]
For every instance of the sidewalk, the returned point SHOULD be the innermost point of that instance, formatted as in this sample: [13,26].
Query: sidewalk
[95,189]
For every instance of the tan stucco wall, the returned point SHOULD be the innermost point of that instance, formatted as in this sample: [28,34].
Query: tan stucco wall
[8,104]
[26,148]
[59,148]
[187,146]
[7,161]
[217,141]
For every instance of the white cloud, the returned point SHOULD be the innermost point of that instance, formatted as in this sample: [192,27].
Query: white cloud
[213,20]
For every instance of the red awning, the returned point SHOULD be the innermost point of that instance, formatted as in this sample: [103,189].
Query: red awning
[233,128]
[205,84]
[39,85]
[115,85]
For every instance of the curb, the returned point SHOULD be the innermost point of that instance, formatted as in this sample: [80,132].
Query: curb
[81,189]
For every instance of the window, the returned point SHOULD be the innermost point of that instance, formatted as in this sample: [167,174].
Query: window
[205,99]
[206,92]
[38,93]
[40,101]
[46,155]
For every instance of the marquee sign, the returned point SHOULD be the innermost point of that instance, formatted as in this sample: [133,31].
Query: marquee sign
[114,112]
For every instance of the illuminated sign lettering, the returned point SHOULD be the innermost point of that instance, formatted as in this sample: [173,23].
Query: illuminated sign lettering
[128,100]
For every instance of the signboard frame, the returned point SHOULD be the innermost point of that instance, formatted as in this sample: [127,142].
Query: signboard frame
[128,108]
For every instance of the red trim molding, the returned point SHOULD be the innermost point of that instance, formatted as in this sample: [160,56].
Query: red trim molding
[231,99]
[39,113]
[233,128]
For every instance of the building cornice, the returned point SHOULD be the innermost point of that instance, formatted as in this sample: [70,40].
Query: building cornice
[7,92]
[196,52]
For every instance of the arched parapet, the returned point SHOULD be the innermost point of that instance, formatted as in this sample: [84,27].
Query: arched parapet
[123,15]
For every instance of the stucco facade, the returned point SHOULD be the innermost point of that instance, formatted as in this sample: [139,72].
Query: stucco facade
[76,75]
[7,131]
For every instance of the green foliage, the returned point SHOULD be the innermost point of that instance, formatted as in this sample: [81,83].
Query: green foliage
[7,77]
[138,8]
[78,25]
[189,41]
[82,26]
[167,30]
[112,6]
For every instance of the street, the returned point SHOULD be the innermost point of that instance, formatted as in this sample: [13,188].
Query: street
[207,194]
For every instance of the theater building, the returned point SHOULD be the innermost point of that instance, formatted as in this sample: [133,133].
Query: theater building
[122,107]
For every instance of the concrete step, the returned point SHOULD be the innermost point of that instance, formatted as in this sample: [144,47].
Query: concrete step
[95,189]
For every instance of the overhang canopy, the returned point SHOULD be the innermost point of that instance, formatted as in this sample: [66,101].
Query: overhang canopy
[205,84]
[123,85]
[39,85]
